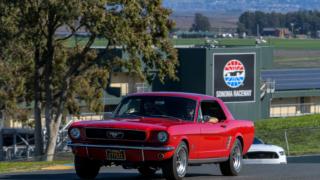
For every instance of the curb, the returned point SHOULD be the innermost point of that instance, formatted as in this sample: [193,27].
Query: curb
[59,167]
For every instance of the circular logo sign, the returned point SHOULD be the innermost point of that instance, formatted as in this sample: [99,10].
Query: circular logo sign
[234,73]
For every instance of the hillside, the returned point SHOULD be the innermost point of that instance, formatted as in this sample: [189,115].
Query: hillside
[240,5]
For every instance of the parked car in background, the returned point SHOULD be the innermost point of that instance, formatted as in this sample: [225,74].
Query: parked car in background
[162,130]
[261,153]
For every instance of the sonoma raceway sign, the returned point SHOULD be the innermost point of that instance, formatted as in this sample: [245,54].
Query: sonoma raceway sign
[234,77]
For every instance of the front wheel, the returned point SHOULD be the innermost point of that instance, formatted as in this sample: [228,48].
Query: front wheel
[86,168]
[233,166]
[176,167]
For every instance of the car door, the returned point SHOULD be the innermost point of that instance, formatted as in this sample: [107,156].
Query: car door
[213,134]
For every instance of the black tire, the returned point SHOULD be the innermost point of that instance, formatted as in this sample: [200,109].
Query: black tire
[233,166]
[147,171]
[176,167]
[86,168]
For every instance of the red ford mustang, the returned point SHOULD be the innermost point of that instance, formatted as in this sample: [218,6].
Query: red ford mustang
[162,130]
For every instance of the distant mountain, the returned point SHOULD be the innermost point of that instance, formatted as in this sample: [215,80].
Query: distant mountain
[239,6]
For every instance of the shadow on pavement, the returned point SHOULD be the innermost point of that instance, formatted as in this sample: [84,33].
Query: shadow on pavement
[39,176]
[113,176]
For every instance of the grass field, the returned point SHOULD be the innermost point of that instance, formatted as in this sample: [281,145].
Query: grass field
[223,42]
[82,40]
[7,167]
[303,133]
[288,44]
[305,44]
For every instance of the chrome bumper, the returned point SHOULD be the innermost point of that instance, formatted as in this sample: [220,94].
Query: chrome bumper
[147,148]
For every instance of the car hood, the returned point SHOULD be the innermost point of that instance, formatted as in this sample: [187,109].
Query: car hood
[142,123]
[265,147]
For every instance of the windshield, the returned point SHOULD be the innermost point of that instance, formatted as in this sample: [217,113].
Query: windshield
[157,106]
[257,141]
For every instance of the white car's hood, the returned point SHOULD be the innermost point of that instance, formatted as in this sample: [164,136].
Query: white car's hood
[265,147]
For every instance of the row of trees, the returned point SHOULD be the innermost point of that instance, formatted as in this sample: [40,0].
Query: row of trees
[301,22]
[40,69]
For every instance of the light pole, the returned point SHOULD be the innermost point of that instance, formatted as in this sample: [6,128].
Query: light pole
[292,25]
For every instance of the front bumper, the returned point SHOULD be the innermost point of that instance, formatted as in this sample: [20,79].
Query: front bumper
[133,153]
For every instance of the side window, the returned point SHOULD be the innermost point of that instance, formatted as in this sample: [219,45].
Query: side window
[212,109]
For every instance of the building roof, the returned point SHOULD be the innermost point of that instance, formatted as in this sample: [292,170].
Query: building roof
[293,79]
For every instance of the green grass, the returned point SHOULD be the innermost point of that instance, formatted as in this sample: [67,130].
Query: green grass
[303,133]
[83,40]
[7,167]
[302,44]
[289,44]
[237,42]
[188,41]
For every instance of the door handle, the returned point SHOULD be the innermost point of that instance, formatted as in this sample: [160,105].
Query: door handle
[224,126]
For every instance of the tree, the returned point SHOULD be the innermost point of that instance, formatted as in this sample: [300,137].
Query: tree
[62,75]
[241,28]
[201,23]
[305,22]
[14,67]
[248,20]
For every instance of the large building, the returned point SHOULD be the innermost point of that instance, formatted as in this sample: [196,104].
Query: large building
[231,74]
[245,79]
[297,91]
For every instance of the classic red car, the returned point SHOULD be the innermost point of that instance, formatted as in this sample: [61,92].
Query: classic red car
[162,130]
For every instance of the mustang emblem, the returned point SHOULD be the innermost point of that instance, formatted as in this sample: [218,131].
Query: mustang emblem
[115,134]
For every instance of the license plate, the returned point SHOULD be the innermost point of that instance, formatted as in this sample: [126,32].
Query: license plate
[118,155]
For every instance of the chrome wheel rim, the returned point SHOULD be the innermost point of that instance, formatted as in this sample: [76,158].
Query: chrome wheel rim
[181,162]
[236,158]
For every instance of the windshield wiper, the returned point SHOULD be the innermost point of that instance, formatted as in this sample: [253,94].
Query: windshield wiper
[166,116]
[128,114]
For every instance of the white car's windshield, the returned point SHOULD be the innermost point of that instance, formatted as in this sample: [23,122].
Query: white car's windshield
[157,106]
[257,141]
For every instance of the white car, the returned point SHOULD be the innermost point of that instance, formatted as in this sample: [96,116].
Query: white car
[261,153]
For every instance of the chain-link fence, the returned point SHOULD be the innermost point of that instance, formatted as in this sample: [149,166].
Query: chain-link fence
[295,141]
[26,152]
[18,144]
[58,156]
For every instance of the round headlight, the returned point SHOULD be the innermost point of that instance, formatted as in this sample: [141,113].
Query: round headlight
[75,133]
[162,136]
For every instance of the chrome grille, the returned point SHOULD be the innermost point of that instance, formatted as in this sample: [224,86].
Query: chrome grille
[115,134]
[261,155]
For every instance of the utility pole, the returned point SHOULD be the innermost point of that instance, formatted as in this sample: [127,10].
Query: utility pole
[1,145]
[258,30]
[292,25]
[1,119]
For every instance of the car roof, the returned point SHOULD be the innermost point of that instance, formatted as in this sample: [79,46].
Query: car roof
[194,96]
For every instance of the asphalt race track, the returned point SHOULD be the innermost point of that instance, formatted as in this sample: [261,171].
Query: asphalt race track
[296,169]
